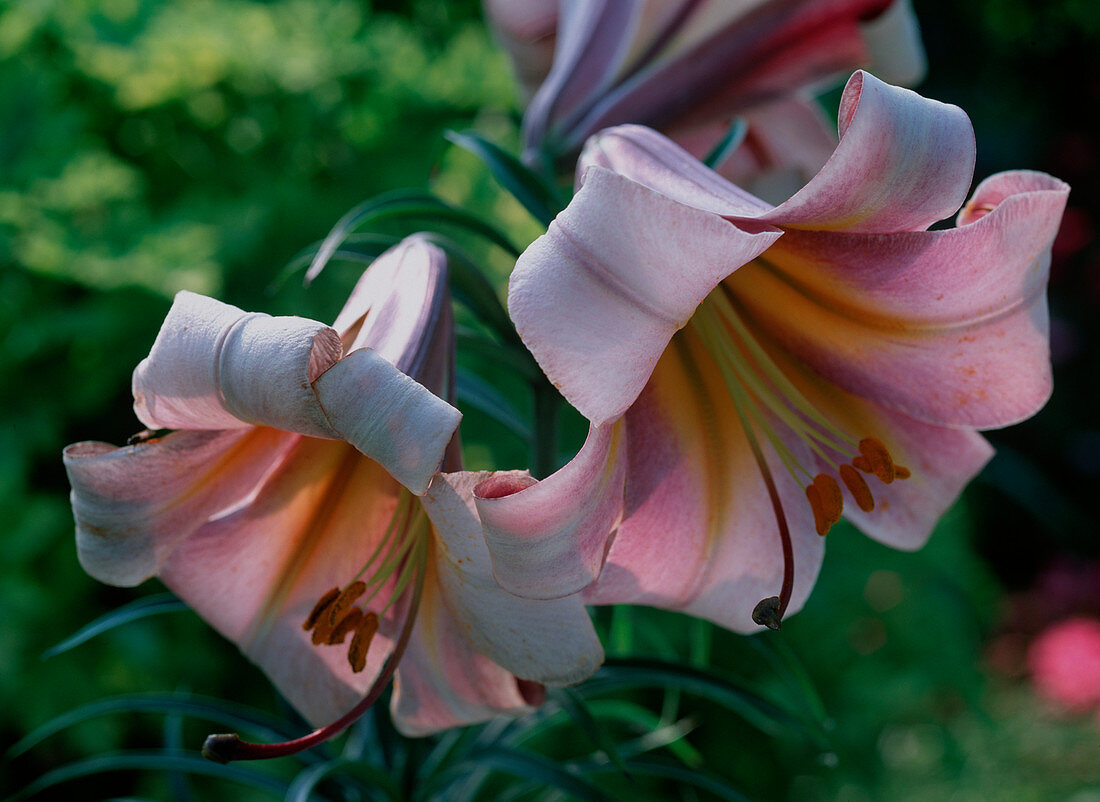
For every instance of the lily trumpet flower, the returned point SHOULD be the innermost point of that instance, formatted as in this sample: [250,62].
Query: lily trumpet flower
[752,373]
[298,509]
[687,67]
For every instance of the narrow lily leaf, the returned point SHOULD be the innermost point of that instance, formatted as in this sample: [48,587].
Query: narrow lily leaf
[515,360]
[483,396]
[470,285]
[402,204]
[576,708]
[131,611]
[371,777]
[668,771]
[150,761]
[782,658]
[734,695]
[727,144]
[657,732]
[541,770]
[535,194]
[227,714]
[355,248]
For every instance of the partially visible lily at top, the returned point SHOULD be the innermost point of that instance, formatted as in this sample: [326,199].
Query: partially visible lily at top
[752,373]
[298,509]
[687,67]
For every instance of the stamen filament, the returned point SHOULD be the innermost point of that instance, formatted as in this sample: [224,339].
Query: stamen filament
[223,748]
[724,303]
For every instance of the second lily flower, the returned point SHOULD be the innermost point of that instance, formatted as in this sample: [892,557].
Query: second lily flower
[752,372]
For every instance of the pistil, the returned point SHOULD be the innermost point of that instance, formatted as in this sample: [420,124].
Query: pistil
[762,393]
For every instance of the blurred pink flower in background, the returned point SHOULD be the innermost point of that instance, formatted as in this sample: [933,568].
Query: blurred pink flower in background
[1064,661]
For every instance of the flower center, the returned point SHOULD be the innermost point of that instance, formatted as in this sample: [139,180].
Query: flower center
[766,400]
[401,556]
[400,552]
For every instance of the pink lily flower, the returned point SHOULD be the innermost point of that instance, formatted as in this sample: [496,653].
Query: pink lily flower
[751,372]
[298,509]
[682,65]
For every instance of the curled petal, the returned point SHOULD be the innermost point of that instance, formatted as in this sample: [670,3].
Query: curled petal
[598,297]
[388,416]
[949,327]
[546,641]
[126,529]
[903,162]
[405,293]
[214,366]
[548,539]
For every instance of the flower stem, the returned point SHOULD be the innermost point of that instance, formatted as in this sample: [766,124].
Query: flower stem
[544,456]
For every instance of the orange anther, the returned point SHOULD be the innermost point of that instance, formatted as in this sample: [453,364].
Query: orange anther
[857,486]
[832,502]
[878,458]
[813,495]
[364,633]
[346,599]
[901,472]
[347,624]
[862,463]
[320,607]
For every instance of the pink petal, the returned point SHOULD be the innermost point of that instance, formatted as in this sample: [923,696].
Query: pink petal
[527,30]
[903,163]
[545,641]
[895,52]
[760,55]
[949,327]
[126,528]
[256,572]
[405,293]
[942,461]
[444,682]
[655,161]
[388,416]
[699,533]
[598,297]
[548,539]
[215,367]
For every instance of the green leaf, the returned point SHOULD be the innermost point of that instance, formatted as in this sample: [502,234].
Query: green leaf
[656,731]
[132,611]
[150,761]
[402,204]
[536,195]
[481,395]
[727,144]
[733,694]
[470,286]
[668,771]
[506,356]
[541,770]
[371,777]
[227,714]
[577,710]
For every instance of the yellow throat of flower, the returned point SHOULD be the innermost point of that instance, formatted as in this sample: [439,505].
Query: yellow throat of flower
[766,400]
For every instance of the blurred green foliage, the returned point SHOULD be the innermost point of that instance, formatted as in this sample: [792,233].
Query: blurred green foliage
[148,146]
